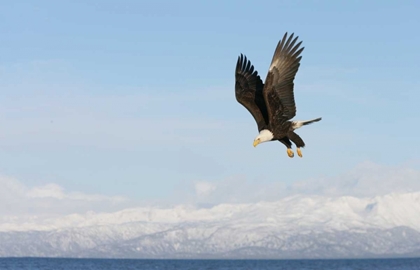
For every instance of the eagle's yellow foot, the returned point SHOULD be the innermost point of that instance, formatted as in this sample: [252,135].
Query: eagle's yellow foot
[299,152]
[290,152]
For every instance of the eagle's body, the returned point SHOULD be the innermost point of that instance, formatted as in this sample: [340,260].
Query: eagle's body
[272,103]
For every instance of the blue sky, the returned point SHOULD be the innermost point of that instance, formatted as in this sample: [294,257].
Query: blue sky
[136,98]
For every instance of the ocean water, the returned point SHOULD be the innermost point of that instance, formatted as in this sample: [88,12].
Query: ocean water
[105,264]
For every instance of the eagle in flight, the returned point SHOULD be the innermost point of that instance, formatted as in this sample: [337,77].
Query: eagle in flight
[272,104]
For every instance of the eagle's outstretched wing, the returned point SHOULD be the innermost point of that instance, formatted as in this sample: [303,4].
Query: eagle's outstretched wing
[278,89]
[248,91]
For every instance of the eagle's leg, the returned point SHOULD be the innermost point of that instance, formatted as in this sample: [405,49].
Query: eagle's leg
[296,139]
[290,152]
[288,144]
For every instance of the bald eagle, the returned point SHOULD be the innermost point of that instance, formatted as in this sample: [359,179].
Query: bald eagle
[272,104]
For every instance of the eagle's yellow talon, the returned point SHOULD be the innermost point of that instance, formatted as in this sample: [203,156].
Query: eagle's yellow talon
[299,152]
[290,152]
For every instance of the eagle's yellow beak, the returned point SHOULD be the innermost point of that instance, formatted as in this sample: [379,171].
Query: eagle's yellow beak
[256,142]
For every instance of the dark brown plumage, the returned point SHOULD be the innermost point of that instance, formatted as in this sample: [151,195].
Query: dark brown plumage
[272,104]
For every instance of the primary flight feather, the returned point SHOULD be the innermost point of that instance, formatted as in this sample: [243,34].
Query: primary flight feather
[272,104]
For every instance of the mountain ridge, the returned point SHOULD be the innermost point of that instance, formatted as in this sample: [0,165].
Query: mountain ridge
[294,227]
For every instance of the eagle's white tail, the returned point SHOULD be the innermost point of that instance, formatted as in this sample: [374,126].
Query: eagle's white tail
[298,124]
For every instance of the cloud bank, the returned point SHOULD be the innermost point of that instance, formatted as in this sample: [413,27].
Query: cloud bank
[52,206]
[17,199]
[368,179]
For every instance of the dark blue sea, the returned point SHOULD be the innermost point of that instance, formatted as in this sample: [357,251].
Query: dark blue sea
[105,264]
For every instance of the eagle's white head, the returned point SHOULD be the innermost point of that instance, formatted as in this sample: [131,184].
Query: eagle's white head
[264,136]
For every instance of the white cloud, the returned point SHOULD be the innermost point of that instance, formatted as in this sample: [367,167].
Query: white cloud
[57,192]
[204,188]
[235,189]
[17,199]
[365,180]
[47,191]
[368,179]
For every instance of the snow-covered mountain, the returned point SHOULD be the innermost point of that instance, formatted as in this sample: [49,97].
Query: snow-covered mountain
[294,227]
